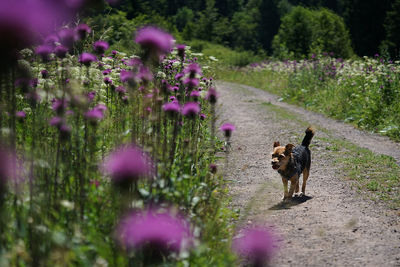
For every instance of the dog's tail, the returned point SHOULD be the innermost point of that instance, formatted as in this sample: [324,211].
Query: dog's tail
[309,135]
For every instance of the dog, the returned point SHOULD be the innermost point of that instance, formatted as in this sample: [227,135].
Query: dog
[291,162]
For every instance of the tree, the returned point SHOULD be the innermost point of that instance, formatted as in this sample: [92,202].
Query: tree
[304,31]
[392,29]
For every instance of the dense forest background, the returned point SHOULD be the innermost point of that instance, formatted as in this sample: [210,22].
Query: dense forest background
[270,27]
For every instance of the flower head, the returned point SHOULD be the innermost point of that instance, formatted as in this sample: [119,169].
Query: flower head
[87,58]
[100,47]
[154,39]
[82,30]
[60,51]
[150,229]
[127,77]
[171,108]
[8,168]
[44,52]
[181,50]
[228,128]
[257,245]
[45,74]
[212,95]
[191,109]
[20,114]
[67,37]
[127,164]
[193,70]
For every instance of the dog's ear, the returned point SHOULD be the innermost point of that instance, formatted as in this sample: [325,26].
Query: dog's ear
[276,144]
[288,149]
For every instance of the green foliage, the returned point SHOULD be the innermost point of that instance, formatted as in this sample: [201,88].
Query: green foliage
[304,31]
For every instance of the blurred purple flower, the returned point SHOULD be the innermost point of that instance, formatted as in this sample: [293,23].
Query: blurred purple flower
[212,95]
[114,53]
[191,82]
[195,95]
[100,47]
[154,39]
[82,31]
[150,229]
[51,40]
[22,23]
[94,115]
[191,109]
[59,105]
[87,58]
[193,70]
[179,76]
[60,51]
[145,74]
[56,121]
[45,74]
[20,115]
[127,76]
[228,128]
[44,52]
[213,168]
[67,37]
[181,50]
[203,116]
[91,95]
[171,108]
[257,245]
[106,72]
[128,164]
[107,80]
[8,169]
[120,89]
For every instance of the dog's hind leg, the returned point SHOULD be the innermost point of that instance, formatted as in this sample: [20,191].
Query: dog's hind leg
[306,173]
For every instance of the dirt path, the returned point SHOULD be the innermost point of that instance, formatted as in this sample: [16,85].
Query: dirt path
[335,226]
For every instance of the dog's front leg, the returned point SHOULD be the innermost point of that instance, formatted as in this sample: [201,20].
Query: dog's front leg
[285,188]
[293,184]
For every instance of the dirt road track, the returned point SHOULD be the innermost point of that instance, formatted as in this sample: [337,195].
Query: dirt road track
[334,225]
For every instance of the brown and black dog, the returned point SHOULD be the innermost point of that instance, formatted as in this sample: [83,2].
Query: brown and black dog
[291,162]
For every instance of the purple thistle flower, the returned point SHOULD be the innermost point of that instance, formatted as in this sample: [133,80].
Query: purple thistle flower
[191,109]
[127,164]
[91,95]
[56,121]
[60,51]
[227,128]
[107,80]
[94,115]
[45,74]
[213,168]
[154,39]
[59,105]
[120,89]
[257,245]
[191,82]
[100,47]
[127,77]
[195,95]
[101,107]
[67,37]
[150,229]
[20,115]
[145,74]
[114,53]
[87,58]
[171,108]
[106,72]
[181,50]
[51,40]
[203,116]
[82,31]
[44,52]
[174,89]
[193,70]
[179,76]
[212,95]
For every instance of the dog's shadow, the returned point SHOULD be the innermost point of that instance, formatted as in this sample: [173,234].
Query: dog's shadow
[287,204]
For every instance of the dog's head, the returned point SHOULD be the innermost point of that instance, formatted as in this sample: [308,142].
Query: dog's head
[281,155]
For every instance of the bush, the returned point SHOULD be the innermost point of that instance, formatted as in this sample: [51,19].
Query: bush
[304,31]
